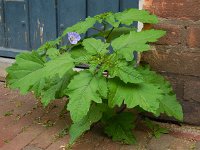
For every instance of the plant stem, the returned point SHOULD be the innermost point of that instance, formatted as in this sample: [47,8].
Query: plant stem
[109,33]
[121,109]
[97,29]
[104,26]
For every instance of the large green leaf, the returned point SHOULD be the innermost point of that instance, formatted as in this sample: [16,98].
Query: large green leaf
[117,32]
[80,55]
[59,66]
[26,71]
[55,87]
[144,95]
[80,27]
[156,129]
[29,69]
[127,17]
[94,46]
[111,20]
[103,87]
[48,45]
[125,73]
[78,128]
[53,53]
[120,127]
[49,93]
[135,41]
[155,78]
[82,90]
[78,51]
[38,87]
[168,104]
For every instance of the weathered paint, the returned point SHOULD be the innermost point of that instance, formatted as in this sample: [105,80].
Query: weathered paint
[70,12]
[96,7]
[42,21]
[16,20]
[2,35]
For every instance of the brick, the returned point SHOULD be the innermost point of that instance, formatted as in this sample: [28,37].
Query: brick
[173,35]
[173,61]
[23,139]
[2,143]
[191,112]
[192,90]
[92,140]
[2,78]
[6,120]
[169,142]
[19,104]
[10,131]
[107,144]
[177,84]
[3,89]
[193,37]
[178,9]
[48,136]
[31,147]
[184,131]
[197,145]
[5,109]
[142,138]
[59,144]
[186,135]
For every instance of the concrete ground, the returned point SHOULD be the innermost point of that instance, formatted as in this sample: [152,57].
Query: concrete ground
[26,125]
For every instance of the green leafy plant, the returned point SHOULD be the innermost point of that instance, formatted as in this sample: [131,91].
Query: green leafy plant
[111,84]
[156,130]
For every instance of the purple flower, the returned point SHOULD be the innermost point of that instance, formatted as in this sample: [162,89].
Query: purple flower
[73,37]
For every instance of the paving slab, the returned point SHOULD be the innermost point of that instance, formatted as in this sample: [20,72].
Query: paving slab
[197,146]
[31,147]
[168,142]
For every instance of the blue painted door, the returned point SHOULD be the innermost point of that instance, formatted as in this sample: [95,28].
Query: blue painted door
[26,24]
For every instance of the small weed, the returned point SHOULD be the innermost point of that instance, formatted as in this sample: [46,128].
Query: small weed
[62,114]
[62,133]
[8,113]
[193,147]
[27,113]
[18,104]
[156,130]
[66,147]
[38,120]
[24,128]
[6,141]
[17,117]
[48,123]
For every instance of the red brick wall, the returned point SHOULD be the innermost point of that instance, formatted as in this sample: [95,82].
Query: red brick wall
[177,55]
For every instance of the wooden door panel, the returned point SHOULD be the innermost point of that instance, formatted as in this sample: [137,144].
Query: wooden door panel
[70,12]
[16,24]
[2,35]
[42,14]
